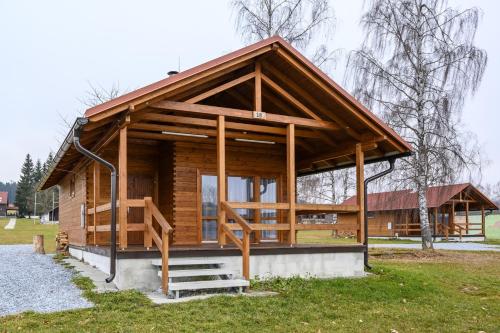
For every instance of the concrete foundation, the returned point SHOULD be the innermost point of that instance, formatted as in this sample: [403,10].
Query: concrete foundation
[139,273]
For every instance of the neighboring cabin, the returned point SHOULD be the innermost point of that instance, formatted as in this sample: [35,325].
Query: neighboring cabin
[207,162]
[4,203]
[450,206]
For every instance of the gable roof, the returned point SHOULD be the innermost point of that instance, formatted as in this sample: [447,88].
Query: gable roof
[407,199]
[123,102]
[4,197]
[276,51]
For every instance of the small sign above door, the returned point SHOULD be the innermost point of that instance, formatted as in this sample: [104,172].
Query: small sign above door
[259,115]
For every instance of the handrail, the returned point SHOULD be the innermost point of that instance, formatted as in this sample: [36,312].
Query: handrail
[237,217]
[244,243]
[150,235]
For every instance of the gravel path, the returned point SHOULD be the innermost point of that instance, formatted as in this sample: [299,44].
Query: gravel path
[35,282]
[443,246]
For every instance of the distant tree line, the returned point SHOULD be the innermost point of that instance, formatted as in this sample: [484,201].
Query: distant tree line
[31,175]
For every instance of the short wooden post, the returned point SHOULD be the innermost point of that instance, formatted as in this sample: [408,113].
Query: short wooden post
[246,255]
[38,244]
[164,262]
[290,158]
[483,221]
[360,192]
[221,177]
[148,223]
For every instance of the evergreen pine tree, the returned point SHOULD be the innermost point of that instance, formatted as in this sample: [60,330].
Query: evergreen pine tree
[24,192]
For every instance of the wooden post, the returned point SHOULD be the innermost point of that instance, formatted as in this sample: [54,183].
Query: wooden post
[290,163]
[221,176]
[406,223]
[246,255]
[164,262]
[258,87]
[467,218]
[148,223]
[38,244]
[483,221]
[97,195]
[436,213]
[257,217]
[452,218]
[360,191]
[122,196]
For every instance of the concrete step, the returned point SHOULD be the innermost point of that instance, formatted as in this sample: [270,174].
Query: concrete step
[210,284]
[187,262]
[197,272]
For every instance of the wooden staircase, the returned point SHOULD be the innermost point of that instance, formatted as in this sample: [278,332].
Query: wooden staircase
[188,275]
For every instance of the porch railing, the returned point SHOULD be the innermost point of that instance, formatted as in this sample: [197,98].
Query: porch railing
[247,228]
[160,237]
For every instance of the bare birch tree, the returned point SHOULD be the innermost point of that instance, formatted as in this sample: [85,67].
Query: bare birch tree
[299,22]
[417,65]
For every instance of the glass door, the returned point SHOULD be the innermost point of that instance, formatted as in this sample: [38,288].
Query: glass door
[268,193]
[240,189]
[209,208]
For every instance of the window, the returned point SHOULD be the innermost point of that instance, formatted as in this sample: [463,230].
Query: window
[209,208]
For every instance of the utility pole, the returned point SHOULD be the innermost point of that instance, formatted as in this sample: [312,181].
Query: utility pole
[34,210]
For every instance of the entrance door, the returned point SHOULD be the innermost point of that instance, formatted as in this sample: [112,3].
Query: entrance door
[240,189]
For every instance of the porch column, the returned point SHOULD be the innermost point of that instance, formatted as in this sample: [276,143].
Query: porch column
[221,177]
[483,220]
[360,191]
[290,167]
[467,218]
[97,195]
[122,180]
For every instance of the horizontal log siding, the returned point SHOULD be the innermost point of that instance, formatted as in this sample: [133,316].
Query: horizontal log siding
[189,157]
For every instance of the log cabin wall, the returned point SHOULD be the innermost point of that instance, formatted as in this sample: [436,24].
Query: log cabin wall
[143,180]
[191,159]
[377,222]
[72,194]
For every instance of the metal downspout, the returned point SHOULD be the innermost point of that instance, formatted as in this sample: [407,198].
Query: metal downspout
[79,124]
[365,204]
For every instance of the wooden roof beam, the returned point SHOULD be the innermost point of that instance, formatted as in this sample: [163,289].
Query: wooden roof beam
[220,88]
[243,114]
[342,152]
[164,118]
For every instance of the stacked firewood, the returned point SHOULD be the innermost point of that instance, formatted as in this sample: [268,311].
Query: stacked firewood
[62,242]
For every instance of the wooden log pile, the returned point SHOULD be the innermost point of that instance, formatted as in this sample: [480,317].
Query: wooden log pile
[62,243]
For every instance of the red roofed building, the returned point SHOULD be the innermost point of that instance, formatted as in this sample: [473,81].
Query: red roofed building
[4,201]
[396,213]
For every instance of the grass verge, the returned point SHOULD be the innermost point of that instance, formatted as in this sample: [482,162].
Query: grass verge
[25,230]
[409,291]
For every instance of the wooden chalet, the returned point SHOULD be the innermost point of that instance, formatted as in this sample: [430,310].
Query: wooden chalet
[450,207]
[207,163]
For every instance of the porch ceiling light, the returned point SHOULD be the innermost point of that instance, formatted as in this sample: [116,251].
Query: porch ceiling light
[186,134]
[256,141]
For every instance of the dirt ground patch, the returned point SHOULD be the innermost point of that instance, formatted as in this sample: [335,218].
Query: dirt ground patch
[436,256]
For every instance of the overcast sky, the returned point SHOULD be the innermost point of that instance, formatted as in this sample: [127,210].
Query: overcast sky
[52,50]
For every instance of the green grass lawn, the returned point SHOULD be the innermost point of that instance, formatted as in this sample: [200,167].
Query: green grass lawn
[25,230]
[325,237]
[408,292]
